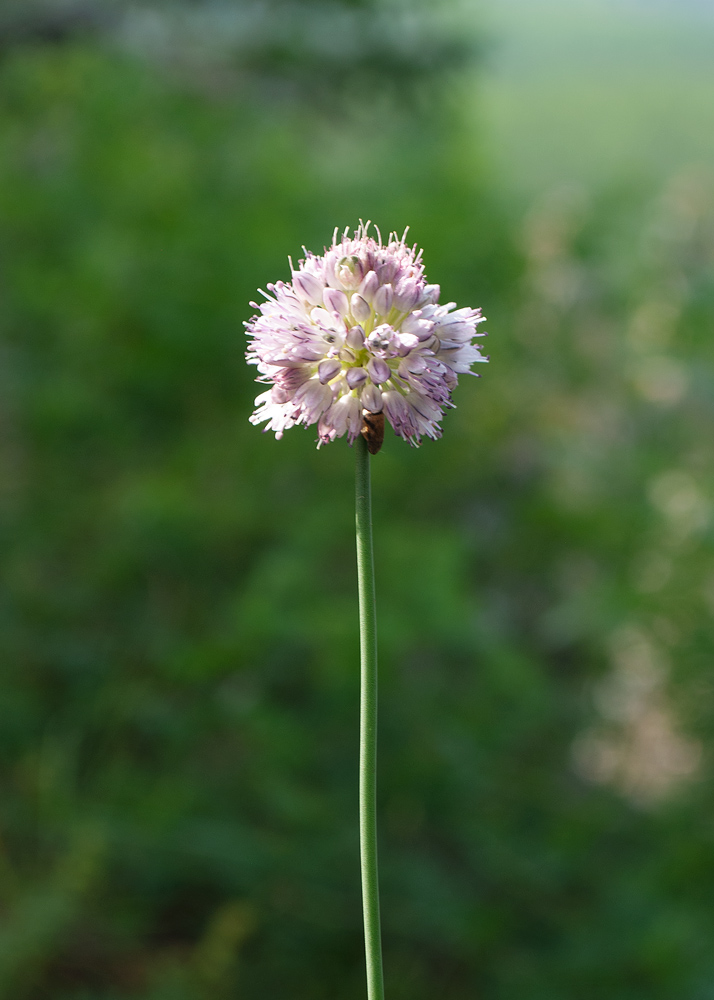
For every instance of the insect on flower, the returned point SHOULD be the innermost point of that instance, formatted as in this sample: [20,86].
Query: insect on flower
[373,431]
[358,335]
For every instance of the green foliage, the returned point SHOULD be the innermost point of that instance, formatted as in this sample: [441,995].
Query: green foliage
[333,52]
[178,713]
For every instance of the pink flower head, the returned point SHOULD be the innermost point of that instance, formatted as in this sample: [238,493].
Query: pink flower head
[358,331]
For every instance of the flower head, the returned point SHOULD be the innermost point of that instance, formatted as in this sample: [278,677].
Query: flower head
[358,331]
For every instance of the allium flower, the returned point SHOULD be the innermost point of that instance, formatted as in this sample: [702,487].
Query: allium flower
[359,332]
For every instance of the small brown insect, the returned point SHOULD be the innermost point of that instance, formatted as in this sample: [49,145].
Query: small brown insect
[373,431]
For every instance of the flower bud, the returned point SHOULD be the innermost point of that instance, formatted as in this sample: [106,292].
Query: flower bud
[430,295]
[360,308]
[349,271]
[406,342]
[383,300]
[386,271]
[327,370]
[355,377]
[406,294]
[372,398]
[379,370]
[355,338]
[308,287]
[336,301]
[421,328]
[370,284]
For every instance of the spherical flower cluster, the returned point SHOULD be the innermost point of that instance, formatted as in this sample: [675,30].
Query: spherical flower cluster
[358,332]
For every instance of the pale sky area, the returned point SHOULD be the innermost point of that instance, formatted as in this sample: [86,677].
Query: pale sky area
[591,90]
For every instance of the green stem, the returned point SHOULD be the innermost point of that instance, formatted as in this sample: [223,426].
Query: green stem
[368,726]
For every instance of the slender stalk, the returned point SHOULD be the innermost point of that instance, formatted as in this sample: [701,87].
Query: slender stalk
[368,726]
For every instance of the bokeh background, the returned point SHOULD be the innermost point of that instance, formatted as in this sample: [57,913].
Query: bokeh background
[179,682]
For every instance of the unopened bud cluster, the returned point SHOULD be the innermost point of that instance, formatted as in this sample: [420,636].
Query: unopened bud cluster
[359,331]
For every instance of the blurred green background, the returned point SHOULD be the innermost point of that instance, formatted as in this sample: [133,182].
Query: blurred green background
[178,694]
